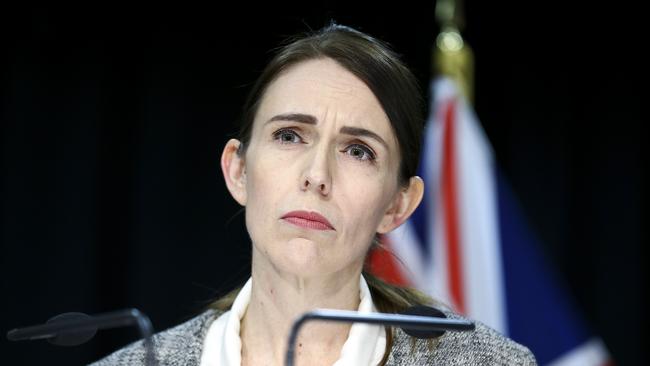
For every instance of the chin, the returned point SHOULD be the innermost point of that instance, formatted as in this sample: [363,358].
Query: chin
[303,257]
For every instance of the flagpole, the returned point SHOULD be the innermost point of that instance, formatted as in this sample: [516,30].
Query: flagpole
[452,56]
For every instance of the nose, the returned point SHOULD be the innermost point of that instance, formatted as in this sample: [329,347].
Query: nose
[317,176]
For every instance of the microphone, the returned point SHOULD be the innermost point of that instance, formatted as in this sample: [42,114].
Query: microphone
[71,329]
[422,310]
[431,325]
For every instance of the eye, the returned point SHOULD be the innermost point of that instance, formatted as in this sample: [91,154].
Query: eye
[287,136]
[360,152]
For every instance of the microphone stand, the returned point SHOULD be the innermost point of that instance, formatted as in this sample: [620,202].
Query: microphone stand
[346,316]
[90,325]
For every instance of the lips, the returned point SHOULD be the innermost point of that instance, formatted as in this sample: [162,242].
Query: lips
[309,220]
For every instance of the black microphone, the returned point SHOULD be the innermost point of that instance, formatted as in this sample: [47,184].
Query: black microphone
[421,310]
[71,329]
[430,326]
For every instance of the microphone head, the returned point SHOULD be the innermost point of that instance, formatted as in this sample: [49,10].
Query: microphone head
[71,337]
[421,310]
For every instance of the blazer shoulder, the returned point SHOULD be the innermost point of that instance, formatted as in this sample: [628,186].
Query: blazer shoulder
[482,346]
[179,345]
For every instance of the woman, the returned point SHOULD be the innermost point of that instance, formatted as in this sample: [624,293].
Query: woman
[325,162]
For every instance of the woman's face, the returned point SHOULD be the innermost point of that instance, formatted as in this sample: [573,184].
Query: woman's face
[320,171]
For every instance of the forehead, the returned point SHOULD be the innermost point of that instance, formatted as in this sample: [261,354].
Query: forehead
[325,89]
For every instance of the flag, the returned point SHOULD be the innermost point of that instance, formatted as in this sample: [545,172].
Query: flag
[468,244]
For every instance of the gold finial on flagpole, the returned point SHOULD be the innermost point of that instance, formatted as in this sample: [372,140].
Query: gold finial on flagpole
[452,56]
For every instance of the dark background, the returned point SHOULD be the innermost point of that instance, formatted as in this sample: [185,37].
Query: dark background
[113,119]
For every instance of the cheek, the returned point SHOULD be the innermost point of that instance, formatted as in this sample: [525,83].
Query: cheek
[272,176]
[267,181]
[365,199]
[260,182]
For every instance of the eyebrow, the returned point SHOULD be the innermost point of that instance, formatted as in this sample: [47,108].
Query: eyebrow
[356,131]
[311,120]
[295,117]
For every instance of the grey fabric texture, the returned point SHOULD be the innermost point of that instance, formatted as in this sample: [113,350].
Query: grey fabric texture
[182,346]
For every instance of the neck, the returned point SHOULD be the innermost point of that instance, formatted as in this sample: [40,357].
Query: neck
[278,299]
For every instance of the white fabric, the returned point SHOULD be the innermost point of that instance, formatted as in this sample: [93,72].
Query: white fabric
[222,345]
[592,352]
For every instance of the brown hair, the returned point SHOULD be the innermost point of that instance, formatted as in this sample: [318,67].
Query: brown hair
[370,60]
[396,89]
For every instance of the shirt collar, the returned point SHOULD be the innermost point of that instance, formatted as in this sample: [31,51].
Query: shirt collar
[365,344]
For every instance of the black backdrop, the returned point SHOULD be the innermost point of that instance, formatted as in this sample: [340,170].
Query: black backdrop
[113,120]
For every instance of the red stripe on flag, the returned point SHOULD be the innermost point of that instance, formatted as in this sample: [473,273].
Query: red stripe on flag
[450,206]
[382,263]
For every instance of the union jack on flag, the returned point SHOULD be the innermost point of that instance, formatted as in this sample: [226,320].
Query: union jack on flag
[468,244]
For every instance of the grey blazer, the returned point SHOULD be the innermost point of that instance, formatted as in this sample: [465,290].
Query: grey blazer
[182,346]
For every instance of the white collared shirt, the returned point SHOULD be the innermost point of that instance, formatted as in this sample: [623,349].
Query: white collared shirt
[222,345]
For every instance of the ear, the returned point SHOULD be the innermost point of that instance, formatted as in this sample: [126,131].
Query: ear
[406,201]
[234,170]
